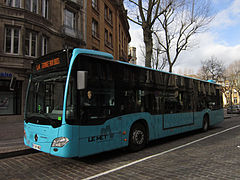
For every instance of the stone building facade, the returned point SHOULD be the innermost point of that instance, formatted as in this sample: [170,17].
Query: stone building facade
[132,55]
[108,28]
[32,28]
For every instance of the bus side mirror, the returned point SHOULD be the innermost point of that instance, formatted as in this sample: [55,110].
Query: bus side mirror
[81,80]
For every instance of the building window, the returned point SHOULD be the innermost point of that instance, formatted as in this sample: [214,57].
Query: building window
[69,20]
[106,36]
[31,44]
[44,45]
[45,8]
[119,33]
[10,101]
[110,16]
[12,39]
[111,40]
[122,40]
[108,39]
[94,28]
[13,3]
[95,4]
[32,5]
[235,100]
[105,11]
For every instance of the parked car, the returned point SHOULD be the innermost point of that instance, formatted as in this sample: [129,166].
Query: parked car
[234,109]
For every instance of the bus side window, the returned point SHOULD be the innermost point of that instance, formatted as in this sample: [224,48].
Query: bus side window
[128,101]
[140,100]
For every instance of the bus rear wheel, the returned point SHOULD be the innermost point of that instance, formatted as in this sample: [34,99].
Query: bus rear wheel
[205,125]
[137,137]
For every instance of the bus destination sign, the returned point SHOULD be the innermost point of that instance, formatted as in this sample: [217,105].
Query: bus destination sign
[47,64]
[52,62]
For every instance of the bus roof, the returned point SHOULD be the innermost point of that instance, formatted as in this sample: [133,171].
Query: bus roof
[207,81]
[108,56]
[94,53]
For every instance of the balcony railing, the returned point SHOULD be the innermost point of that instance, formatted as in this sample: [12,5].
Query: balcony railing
[109,44]
[69,31]
[79,3]
[108,20]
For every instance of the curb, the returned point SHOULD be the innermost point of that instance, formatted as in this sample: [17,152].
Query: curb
[231,116]
[17,153]
[228,117]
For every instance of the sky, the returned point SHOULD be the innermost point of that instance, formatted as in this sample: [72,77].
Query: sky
[221,40]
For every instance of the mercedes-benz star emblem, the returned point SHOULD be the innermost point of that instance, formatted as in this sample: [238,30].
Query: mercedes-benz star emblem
[36,137]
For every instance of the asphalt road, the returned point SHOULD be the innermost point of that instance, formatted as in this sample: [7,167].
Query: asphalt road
[211,155]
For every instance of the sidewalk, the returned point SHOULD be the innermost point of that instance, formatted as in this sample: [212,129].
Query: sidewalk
[11,139]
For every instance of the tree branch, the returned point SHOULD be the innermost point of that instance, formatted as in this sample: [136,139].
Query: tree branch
[140,24]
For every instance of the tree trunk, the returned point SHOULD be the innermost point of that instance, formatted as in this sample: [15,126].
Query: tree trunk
[147,34]
[170,68]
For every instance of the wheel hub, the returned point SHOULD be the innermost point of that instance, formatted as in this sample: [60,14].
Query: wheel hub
[138,137]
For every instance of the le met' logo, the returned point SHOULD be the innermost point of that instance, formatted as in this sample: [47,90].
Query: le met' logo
[106,134]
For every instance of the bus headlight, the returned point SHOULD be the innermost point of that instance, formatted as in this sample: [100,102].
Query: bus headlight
[60,142]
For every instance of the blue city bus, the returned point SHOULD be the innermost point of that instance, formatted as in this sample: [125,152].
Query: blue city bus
[81,102]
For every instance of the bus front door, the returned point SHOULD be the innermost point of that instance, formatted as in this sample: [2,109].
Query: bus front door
[178,120]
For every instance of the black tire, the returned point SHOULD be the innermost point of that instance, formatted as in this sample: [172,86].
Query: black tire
[205,125]
[137,137]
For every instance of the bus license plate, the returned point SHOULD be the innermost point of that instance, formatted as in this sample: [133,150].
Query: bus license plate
[37,147]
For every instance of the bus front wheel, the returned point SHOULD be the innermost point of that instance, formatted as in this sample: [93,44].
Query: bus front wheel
[137,137]
[205,125]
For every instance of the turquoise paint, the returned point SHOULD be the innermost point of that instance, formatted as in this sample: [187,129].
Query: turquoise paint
[87,140]
[45,134]
[176,120]
[81,137]
[95,139]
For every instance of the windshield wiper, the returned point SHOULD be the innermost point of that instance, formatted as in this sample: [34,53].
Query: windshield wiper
[39,119]
[51,121]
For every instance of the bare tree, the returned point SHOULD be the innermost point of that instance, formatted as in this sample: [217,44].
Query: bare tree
[233,74]
[233,80]
[149,11]
[180,22]
[212,69]
[157,61]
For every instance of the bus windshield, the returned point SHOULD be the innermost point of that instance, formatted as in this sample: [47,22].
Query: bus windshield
[45,99]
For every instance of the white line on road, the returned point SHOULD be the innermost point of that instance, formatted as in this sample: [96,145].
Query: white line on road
[159,154]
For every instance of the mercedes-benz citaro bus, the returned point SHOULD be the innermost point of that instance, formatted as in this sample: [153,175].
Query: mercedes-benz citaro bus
[81,102]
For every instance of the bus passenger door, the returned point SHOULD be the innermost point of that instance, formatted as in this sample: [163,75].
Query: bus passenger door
[178,111]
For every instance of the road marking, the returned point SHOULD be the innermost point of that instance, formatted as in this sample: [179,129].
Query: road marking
[159,154]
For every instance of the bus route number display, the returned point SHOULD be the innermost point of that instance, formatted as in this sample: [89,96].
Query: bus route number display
[47,64]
